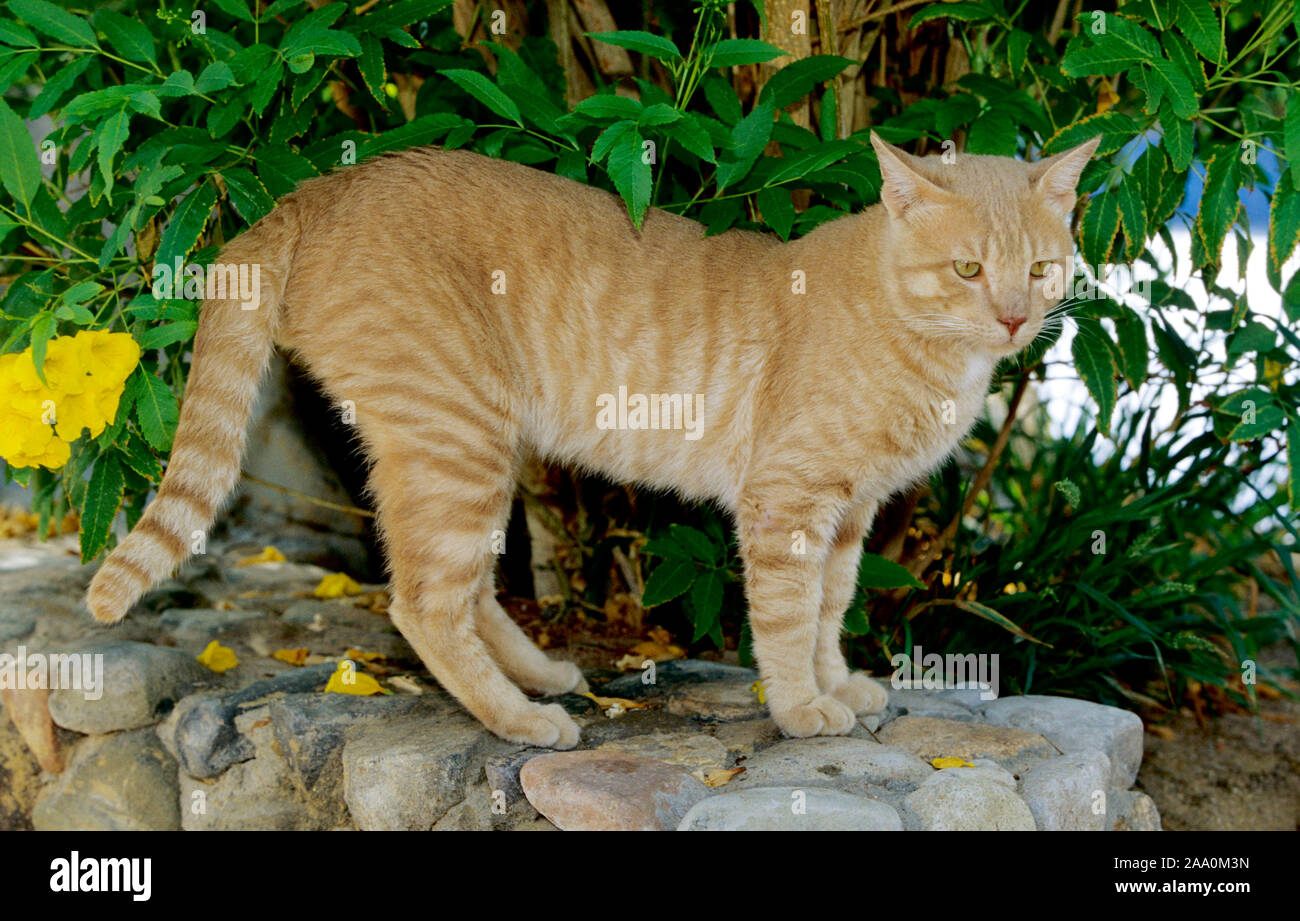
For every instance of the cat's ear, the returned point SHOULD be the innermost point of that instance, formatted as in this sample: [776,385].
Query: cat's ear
[903,190]
[1056,177]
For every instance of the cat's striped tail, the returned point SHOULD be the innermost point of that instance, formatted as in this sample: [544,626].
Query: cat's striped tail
[231,350]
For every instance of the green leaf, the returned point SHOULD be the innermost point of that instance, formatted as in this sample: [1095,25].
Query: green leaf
[1176,87]
[696,542]
[1116,130]
[1177,140]
[692,135]
[1219,202]
[642,42]
[608,106]
[669,580]
[372,67]
[486,92]
[1291,137]
[55,22]
[1123,44]
[186,224]
[42,330]
[14,35]
[381,20]
[1018,42]
[1293,464]
[20,164]
[216,76]
[706,602]
[993,132]
[1095,363]
[99,508]
[962,11]
[796,80]
[989,614]
[136,455]
[57,85]
[1149,173]
[778,210]
[112,134]
[731,52]
[155,409]
[748,138]
[1253,337]
[1198,21]
[1132,217]
[1182,55]
[281,169]
[631,175]
[1283,226]
[130,38]
[658,115]
[1134,349]
[877,572]
[247,194]
[1098,226]
[159,337]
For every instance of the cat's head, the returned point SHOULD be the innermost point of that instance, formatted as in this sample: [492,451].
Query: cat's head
[975,242]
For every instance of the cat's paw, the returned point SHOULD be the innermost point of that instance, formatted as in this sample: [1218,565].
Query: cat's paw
[543,725]
[821,716]
[559,678]
[861,694]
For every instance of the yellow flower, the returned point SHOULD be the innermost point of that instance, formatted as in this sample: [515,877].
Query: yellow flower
[347,680]
[268,555]
[218,658]
[950,762]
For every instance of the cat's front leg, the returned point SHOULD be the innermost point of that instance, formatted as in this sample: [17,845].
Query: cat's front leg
[839,581]
[784,546]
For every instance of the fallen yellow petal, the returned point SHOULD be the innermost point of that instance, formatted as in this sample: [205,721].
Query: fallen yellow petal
[218,658]
[347,680]
[617,703]
[660,652]
[950,762]
[757,688]
[268,555]
[292,656]
[356,655]
[337,585]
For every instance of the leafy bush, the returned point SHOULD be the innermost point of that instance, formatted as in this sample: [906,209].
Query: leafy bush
[172,133]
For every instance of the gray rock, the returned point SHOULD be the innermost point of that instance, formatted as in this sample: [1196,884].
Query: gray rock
[723,700]
[693,751]
[910,702]
[406,774]
[18,621]
[201,732]
[256,794]
[956,800]
[929,738]
[1077,725]
[120,782]
[339,613]
[205,623]
[142,683]
[848,764]
[674,674]
[1131,810]
[1068,793]
[748,736]
[311,729]
[609,791]
[790,809]
[501,772]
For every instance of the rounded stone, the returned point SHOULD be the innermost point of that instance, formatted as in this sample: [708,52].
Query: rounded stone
[790,809]
[609,791]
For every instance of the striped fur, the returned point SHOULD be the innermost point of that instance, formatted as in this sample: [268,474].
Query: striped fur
[473,310]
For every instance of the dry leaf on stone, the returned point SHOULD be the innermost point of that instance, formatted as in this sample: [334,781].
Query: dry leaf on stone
[718,777]
[268,555]
[292,656]
[660,652]
[617,706]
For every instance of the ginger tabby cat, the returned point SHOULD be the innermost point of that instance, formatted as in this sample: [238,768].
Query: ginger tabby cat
[475,310]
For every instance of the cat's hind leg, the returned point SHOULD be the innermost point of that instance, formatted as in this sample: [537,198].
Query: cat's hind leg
[839,580]
[518,655]
[442,492]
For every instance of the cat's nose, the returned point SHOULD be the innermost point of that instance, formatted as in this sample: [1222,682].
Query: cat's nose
[1012,324]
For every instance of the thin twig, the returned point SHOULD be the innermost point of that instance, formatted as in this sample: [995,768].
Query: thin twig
[350,509]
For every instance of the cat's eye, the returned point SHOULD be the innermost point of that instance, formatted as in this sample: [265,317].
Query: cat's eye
[1039,269]
[966,269]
